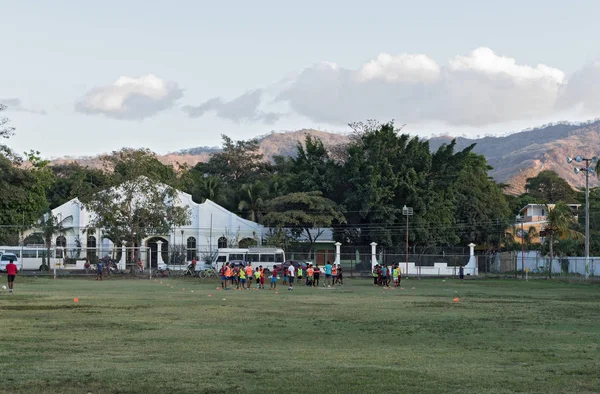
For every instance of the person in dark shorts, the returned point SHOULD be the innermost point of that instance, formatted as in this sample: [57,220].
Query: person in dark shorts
[100,270]
[317,275]
[376,275]
[340,277]
[11,273]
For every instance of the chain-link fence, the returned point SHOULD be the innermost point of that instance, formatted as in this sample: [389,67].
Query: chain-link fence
[357,260]
[533,264]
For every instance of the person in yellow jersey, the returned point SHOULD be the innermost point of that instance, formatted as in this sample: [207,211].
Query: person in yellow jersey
[242,281]
[257,277]
[396,274]
[299,273]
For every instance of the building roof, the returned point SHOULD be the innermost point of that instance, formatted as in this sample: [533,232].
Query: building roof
[550,206]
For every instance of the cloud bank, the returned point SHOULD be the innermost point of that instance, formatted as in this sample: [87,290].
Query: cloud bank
[245,108]
[478,89]
[131,98]
[15,104]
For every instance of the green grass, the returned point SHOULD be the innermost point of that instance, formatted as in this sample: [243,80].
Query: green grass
[143,336]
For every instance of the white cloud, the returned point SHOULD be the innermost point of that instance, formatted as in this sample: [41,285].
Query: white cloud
[131,98]
[583,90]
[15,104]
[485,61]
[404,68]
[475,90]
[245,108]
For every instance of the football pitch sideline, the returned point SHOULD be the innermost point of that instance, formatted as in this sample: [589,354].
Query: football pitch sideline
[184,335]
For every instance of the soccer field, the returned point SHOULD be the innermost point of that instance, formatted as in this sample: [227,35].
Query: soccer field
[186,336]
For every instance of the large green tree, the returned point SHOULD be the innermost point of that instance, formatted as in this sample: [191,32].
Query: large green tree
[239,161]
[383,171]
[309,212]
[136,204]
[550,188]
[6,131]
[73,180]
[22,188]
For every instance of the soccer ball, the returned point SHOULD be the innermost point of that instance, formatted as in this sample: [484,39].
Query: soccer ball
[3,287]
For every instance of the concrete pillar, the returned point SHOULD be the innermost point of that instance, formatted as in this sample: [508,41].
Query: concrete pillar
[159,260]
[471,267]
[337,252]
[123,262]
[373,255]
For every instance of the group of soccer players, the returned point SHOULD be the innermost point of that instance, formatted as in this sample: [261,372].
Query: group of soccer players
[242,276]
[383,276]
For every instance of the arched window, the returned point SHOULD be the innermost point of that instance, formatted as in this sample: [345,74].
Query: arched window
[247,242]
[91,241]
[92,254]
[222,242]
[191,249]
[61,242]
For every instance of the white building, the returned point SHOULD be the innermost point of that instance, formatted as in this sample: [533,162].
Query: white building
[211,227]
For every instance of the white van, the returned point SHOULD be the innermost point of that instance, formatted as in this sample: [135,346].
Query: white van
[5,258]
[265,256]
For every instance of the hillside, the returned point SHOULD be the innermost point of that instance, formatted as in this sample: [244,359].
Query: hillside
[514,157]
[522,155]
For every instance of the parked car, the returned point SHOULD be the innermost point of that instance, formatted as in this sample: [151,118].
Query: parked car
[203,266]
[237,263]
[5,258]
[296,263]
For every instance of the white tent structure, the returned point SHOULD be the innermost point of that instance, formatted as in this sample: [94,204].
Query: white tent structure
[211,227]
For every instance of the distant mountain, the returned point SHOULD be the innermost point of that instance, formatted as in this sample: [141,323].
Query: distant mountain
[522,155]
[514,157]
[275,143]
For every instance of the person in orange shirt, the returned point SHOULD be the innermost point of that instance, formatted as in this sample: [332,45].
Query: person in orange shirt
[228,275]
[310,271]
[249,275]
[333,274]
[262,277]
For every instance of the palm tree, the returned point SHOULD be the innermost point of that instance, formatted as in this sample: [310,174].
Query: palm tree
[529,236]
[560,220]
[211,188]
[251,200]
[49,226]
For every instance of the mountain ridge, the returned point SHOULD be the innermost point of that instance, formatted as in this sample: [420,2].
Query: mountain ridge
[514,157]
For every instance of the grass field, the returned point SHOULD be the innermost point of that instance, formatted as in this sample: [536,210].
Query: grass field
[144,336]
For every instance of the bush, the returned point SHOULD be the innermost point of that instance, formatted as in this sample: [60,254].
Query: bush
[564,265]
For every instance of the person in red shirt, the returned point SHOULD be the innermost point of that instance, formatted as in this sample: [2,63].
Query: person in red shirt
[11,272]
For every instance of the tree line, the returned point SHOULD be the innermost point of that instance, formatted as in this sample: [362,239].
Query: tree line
[359,189]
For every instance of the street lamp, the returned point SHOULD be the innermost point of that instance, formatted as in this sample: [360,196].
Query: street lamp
[522,219]
[184,257]
[587,169]
[407,211]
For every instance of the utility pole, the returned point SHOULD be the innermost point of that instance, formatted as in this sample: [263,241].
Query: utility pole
[587,169]
[522,250]
[407,211]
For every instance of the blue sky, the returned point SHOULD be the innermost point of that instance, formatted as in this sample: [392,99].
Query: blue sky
[82,78]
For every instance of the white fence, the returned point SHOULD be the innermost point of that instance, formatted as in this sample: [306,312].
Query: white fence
[560,265]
